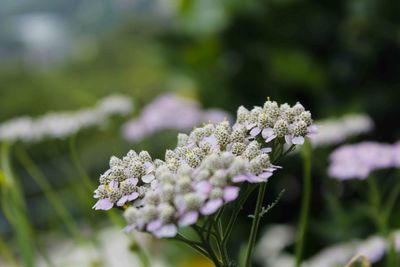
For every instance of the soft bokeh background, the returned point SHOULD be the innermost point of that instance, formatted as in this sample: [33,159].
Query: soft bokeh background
[335,57]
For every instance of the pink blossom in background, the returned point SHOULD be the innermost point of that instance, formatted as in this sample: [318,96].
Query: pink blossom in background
[359,160]
[396,154]
[334,131]
[169,111]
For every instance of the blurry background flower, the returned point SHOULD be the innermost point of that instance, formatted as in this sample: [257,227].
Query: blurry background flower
[170,112]
[63,124]
[359,160]
[336,131]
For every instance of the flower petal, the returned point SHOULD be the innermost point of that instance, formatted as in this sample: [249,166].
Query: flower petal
[148,178]
[113,184]
[103,204]
[266,149]
[265,175]
[149,167]
[211,206]
[154,225]
[168,230]
[312,129]
[267,133]
[122,201]
[288,139]
[203,187]
[255,131]
[133,196]
[132,181]
[298,140]
[231,193]
[188,219]
[239,178]
[250,125]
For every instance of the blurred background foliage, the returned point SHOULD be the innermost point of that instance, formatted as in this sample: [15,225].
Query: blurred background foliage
[333,56]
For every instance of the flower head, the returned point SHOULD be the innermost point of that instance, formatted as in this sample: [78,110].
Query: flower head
[274,121]
[359,160]
[204,172]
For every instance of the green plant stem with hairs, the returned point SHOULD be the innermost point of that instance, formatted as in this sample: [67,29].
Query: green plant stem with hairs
[306,153]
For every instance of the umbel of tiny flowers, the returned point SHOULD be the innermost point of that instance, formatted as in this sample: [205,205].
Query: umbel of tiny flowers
[211,167]
[63,124]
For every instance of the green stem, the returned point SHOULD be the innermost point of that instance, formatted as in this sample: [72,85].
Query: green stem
[50,193]
[77,163]
[14,208]
[255,225]
[236,210]
[305,203]
[393,196]
[391,201]
[381,217]
[199,247]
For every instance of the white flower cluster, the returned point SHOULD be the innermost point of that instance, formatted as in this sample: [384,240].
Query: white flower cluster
[195,179]
[274,121]
[60,125]
[335,131]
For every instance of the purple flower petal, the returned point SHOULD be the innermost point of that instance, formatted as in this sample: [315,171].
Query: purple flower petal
[266,149]
[255,131]
[211,206]
[254,179]
[239,178]
[133,196]
[122,201]
[298,140]
[267,133]
[168,230]
[265,175]
[113,184]
[250,125]
[132,181]
[149,167]
[188,219]
[154,225]
[148,178]
[203,187]
[231,193]
[312,129]
[103,204]
[288,139]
